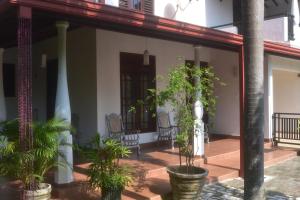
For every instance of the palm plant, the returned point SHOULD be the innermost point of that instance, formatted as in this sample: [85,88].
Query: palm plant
[105,171]
[30,166]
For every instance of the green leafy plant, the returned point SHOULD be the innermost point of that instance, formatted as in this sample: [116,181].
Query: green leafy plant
[185,85]
[30,166]
[105,171]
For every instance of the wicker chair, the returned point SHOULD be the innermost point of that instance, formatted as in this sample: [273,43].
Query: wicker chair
[166,132]
[117,132]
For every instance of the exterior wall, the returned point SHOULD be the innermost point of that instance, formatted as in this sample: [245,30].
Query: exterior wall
[286,91]
[112,2]
[81,62]
[199,12]
[218,12]
[281,92]
[185,10]
[286,84]
[227,116]
[109,46]
[276,29]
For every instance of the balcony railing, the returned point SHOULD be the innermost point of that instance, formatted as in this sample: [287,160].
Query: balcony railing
[286,128]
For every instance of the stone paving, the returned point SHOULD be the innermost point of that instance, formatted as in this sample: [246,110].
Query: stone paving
[282,182]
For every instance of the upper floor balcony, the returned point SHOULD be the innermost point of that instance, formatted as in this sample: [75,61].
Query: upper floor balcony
[281,16]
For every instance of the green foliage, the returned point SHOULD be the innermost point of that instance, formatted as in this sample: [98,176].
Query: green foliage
[105,171]
[30,166]
[184,85]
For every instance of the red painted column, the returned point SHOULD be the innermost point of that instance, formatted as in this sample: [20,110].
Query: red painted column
[242,107]
[24,76]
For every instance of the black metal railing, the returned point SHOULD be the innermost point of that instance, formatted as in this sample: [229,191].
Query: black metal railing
[286,128]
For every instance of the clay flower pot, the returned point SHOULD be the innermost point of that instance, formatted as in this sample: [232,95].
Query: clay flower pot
[186,186]
[43,193]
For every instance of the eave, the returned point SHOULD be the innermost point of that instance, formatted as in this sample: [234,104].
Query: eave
[97,12]
[101,15]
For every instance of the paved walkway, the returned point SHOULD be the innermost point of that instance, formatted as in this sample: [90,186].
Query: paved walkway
[282,182]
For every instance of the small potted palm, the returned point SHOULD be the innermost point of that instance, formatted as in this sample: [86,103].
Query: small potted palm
[105,171]
[184,85]
[30,166]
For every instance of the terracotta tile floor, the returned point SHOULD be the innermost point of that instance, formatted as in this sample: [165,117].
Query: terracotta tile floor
[151,179]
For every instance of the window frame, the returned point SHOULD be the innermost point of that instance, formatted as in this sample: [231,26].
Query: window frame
[136,69]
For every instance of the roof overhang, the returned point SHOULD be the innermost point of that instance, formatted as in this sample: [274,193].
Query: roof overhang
[105,16]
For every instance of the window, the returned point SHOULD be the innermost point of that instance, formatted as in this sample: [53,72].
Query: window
[9,80]
[140,5]
[136,79]
[137,4]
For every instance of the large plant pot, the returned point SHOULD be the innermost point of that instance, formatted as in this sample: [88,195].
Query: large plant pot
[186,186]
[111,194]
[43,193]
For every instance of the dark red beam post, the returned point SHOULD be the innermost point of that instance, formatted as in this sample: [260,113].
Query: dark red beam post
[242,106]
[24,76]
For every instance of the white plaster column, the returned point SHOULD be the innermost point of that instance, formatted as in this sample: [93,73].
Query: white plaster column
[270,98]
[2,97]
[62,106]
[198,111]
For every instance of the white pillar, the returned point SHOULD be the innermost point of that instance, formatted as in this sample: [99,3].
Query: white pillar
[2,97]
[62,106]
[198,111]
[268,96]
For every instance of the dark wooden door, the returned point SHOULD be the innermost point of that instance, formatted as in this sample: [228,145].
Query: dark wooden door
[136,79]
[52,70]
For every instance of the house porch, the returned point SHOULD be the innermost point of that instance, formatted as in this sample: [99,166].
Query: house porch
[137,25]
[151,178]
[152,181]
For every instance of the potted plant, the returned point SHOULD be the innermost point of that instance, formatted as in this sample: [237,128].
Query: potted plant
[105,171]
[185,85]
[30,166]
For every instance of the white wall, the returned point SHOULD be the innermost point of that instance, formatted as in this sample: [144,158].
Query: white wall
[184,10]
[202,12]
[218,12]
[109,46]
[276,29]
[286,91]
[226,65]
[112,2]
[199,12]
[81,62]
[286,84]
[285,64]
